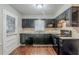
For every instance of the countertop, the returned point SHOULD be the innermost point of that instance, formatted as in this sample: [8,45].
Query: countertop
[46,31]
[75,34]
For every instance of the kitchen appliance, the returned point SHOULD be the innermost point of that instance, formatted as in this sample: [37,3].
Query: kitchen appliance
[66,33]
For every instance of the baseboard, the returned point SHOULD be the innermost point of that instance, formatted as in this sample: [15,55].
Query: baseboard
[43,45]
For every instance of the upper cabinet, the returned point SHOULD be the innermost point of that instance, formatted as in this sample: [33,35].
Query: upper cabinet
[71,15]
[29,23]
[75,16]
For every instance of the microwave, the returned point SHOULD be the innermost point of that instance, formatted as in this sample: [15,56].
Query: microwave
[66,33]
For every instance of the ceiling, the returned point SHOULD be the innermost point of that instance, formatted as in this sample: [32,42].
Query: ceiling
[30,9]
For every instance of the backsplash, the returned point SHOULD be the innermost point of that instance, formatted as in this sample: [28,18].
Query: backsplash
[76,28]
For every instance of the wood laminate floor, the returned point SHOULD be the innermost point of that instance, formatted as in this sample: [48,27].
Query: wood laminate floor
[34,50]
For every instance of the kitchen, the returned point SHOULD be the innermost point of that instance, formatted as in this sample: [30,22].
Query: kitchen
[57,31]
[62,26]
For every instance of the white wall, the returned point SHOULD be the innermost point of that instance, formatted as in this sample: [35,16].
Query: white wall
[37,16]
[14,38]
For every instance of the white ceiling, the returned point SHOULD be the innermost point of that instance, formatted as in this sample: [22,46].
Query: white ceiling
[30,9]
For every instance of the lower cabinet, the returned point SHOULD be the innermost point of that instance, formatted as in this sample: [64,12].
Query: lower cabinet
[29,40]
[69,47]
[26,39]
[36,39]
[64,46]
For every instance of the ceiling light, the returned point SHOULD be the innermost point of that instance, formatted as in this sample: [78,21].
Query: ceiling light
[39,5]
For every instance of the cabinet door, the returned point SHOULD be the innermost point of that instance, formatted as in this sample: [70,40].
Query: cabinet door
[75,17]
[69,47]
[22,38]
[28,23]
[23,23]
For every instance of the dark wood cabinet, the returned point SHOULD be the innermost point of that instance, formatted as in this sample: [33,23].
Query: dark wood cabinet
[29,23]
[69,47]
[71,15]
[75,16]
[37,39]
